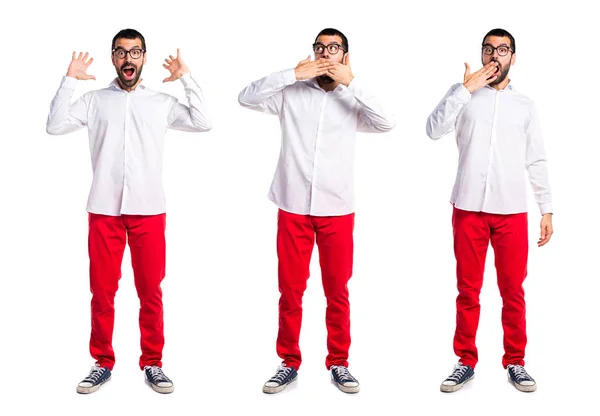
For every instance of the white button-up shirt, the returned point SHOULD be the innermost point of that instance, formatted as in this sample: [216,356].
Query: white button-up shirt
[498,137]
[126,133]
[315,173]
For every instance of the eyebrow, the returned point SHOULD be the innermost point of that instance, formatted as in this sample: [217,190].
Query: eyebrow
[489,44]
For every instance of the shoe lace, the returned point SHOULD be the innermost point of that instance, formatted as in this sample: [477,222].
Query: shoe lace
[281,374]
[95,374]
[343,373]
[157,374]
[520,373]
[458,373]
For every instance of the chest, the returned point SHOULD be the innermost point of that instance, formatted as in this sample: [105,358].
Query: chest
[498,110]
[119,110]
[311,108]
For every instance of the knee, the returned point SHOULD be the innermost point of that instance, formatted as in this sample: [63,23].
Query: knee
[512,291]
[468,296]
[104,290]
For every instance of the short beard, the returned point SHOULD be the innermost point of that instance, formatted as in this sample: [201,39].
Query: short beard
[502,76]
[130,82]
[326,79]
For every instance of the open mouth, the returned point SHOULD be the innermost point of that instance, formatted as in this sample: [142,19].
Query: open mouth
[129,73]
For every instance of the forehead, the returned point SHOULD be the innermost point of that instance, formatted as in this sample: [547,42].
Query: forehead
[326,39]
[128,43]
[497,41]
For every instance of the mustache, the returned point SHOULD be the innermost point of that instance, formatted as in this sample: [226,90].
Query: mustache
[128,65]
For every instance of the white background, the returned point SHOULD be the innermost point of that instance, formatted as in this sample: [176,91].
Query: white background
[220,293]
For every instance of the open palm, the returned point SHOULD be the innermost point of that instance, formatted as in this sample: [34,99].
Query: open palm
[176,67]
[79,65]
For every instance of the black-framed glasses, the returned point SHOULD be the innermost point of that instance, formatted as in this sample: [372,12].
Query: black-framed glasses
[134,53]
[503,50]
[333,48]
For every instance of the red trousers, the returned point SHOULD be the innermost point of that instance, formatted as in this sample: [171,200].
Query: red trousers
[473,232]
[296,236]
[107,238]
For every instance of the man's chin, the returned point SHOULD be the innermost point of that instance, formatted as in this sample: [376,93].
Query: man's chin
[326,79]
[500,80]
[129,82]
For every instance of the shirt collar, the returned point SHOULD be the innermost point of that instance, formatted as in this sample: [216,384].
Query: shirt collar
[509,86]
[115,85]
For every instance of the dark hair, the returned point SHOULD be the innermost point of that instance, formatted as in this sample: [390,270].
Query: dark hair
[129,34]
[334,32]
[501,33]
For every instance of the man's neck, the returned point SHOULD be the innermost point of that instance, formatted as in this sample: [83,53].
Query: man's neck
[502,85]
[128,89]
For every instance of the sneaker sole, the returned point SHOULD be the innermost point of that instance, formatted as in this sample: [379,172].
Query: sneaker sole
[345,389]
[277,389]
[88,390]
[161,390]
[451,389]
[525,389]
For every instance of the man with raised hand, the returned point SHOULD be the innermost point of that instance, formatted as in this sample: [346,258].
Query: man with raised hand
[499,138]
[126,125]
[321,106]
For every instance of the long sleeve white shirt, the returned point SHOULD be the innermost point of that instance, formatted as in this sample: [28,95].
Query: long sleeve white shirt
[315,172]
[499,138]
[126,135]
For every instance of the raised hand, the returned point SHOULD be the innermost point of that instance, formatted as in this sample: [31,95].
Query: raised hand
[176,67]
[307,69]
[79,65]
[481,78]
[341,72]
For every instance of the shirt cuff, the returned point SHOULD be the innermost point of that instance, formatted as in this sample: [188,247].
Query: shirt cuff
[68,82]
[546,208]
[188,81]
[288,76]
[354,86]
[462,94]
